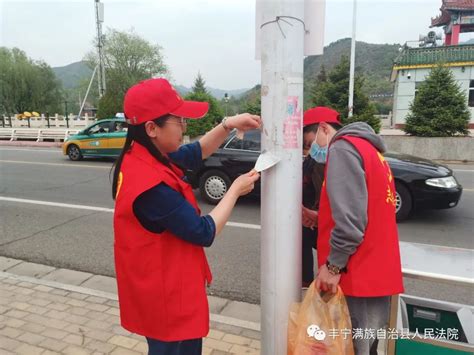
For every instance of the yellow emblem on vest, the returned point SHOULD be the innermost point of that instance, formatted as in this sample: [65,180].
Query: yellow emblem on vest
[119,183]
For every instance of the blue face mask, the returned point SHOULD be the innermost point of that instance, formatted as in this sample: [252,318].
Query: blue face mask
[318,153]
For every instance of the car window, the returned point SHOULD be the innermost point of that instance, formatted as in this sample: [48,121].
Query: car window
[234,143]
[252,141]
[118,126]
[102,127]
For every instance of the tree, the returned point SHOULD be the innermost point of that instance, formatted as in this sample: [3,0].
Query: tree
[322,76]
[109,105]
[439,108]
[128,59]
[199,85]
[75,96]
[27,85]
[214,115]
[310,84]
[254,106]
[251,101]
[334,93]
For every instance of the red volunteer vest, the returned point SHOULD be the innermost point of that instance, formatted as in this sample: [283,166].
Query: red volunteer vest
[375,268]
[161,278]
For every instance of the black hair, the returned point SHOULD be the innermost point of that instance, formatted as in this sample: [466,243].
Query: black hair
[314,127]
[137,133]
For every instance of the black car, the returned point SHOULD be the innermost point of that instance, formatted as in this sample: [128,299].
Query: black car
[420,183]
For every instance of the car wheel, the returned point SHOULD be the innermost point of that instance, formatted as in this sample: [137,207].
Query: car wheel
[74,153]
[213,185]
[403,202]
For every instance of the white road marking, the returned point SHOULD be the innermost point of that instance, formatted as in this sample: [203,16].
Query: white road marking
[244,225]
[463,171]
[103,209]
[80,165]
[56,204]
[437,245]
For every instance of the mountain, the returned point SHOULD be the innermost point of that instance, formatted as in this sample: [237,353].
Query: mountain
[375,61]
[252,94]
[217,93]
[183,90]
[72,74]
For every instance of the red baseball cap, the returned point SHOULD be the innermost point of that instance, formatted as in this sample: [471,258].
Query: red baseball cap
[153,98]
[320,114]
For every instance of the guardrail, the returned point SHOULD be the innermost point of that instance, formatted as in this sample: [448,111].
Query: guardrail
[14,134]
[56,121]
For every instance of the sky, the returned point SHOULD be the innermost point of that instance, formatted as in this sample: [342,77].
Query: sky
[213,37]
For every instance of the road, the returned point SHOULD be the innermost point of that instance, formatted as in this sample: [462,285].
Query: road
[57,212]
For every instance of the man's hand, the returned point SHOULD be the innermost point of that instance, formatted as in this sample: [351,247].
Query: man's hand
[310,218]
[326,281]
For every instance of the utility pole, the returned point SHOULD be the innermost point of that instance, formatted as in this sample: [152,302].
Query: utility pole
[99,16]
[282,33]
[352,67]
[87,92]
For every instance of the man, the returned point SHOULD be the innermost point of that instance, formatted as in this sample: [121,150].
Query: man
[313,176]
[357,244]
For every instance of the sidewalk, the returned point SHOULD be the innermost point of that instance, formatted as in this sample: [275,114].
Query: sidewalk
[41,314]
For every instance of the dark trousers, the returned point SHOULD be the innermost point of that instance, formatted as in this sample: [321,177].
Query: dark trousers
[184,347]
[309,242]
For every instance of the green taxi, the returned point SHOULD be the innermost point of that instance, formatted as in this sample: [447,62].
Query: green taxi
[104,138]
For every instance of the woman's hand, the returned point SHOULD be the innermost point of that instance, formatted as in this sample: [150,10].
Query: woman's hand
[310,218]
[213,139]
[245,183]
[241,186]
[244,122]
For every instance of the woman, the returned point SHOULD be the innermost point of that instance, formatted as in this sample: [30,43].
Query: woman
[313,177]
[161,267]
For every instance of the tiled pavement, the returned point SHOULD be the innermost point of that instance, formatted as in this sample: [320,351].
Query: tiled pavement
[44,310]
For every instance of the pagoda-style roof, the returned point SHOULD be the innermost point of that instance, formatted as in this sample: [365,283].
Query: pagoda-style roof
[451,5]
[454,56]
[434,55]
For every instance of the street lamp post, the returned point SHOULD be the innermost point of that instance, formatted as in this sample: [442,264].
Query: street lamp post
[352,67]
[65,114]
[226,100]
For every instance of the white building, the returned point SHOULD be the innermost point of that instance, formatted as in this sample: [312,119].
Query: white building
[414,64]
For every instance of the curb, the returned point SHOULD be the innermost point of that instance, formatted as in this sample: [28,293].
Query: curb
[219,318]
[32,144]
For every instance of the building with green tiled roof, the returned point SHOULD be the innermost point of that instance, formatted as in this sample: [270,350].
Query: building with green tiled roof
[458,56]
[412,65]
